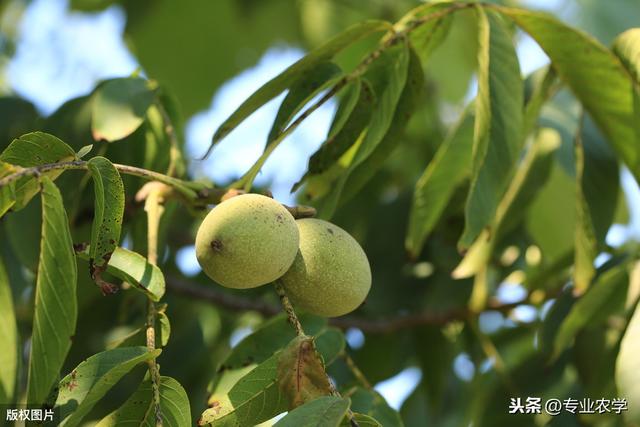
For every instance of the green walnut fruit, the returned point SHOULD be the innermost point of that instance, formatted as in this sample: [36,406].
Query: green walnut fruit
[330,275]
[247,241]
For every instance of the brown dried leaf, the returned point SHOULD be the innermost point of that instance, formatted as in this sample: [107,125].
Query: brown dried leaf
[301,374]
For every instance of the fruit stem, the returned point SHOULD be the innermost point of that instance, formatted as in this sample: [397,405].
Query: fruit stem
[293,319]
[288,308]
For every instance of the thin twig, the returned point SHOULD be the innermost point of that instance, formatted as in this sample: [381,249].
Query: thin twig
[154,208]
[355,371]
[182,186]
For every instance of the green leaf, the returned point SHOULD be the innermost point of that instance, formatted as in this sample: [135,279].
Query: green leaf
[133,338]
[108,212]
[598,181]
[319,181]
[17,116]
[165,329]
[327,411]
[539,87]
[330,343]
[627,47]
[23,232]
[134,269]
[550,224]
[295,73]
[80,390]
[119,107]
[300,93]
[7,191]
[435,364]
[301,372]
[271,336]
[84,151]
[255,398]
[498,135]
[599,301]
[56,310]
[34,149]
[553,319]
[410,99]
[387,76]
[592,347]
[370,402]
[531,174]
[362,420]
[428,36]
[448,168]
[628,368]
[594,74]
[9,339]
[138,409]
[346,135]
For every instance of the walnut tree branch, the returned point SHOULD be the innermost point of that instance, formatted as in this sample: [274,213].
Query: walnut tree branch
[384,325]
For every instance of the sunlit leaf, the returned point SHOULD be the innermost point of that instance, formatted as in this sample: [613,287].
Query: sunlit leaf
[135,270]
[34,149]
[165,329]
[627,47]
[628,368]
[138,409]
[81,389]
[119,107]
[84,151]
[255,398]
[327,411]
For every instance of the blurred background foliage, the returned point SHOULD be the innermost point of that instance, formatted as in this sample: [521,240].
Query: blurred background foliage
[452,372]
